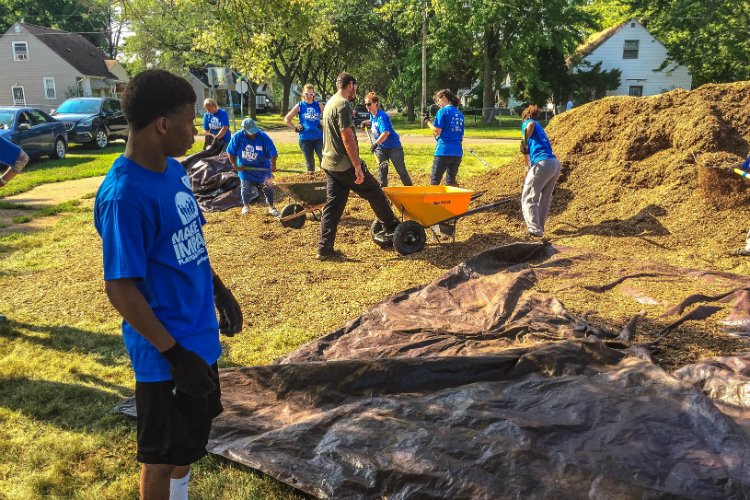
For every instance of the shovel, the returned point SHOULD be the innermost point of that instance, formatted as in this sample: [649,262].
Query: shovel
[728,168]
[479,158]
[380,164]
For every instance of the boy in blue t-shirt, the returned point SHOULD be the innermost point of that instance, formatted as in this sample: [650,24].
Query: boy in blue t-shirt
[254,155]
[14,157]
[158,277]
[215,125]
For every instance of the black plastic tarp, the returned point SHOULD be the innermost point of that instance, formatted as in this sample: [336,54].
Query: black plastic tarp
[215,184]
[478,386]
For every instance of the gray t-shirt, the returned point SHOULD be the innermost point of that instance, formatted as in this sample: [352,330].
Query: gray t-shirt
[337,117]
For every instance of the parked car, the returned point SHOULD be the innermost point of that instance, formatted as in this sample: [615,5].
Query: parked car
[34,131]
[93,120]
[360,114]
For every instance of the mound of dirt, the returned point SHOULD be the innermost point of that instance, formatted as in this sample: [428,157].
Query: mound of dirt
[639,151]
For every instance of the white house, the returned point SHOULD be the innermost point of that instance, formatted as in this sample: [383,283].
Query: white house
[41,67]
[630,48]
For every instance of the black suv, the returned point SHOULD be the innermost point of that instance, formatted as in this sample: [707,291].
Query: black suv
[93,120]
[360,114]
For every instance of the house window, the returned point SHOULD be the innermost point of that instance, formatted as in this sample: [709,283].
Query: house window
[49,88]
[20,51]
[19,99]
[636,91]
[630,50]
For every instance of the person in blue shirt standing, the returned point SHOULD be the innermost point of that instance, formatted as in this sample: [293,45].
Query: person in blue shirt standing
[309,129]
[254,155]
[387,144]
[14,157]
[215,125]
[542,171]
[158,277]
[448,129]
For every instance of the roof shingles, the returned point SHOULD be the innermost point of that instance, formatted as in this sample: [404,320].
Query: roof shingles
[74,49]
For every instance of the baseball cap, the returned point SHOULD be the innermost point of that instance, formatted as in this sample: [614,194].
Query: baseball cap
[249,126]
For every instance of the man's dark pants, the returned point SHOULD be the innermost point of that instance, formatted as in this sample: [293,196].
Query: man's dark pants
[338,185]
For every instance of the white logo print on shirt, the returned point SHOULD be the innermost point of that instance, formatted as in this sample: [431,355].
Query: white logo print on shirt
[188,242]
[249,154]
[213,123]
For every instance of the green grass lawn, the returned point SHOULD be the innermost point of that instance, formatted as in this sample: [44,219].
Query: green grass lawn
[473,127]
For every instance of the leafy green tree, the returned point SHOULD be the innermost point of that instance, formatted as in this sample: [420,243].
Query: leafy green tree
[710,37]
[91,18]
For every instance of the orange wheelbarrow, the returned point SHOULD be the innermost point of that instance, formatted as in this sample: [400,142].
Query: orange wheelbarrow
[422,207]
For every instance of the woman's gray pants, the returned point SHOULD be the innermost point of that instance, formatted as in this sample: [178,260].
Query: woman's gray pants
[537,193]
[396,155]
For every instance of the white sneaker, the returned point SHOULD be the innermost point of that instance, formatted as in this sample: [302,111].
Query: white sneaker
[273,211]
[245,210]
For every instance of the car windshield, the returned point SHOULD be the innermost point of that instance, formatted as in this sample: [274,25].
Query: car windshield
[79,107]
[6,119]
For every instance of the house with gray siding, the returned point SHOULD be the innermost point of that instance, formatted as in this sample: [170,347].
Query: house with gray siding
[43,67]
[630,48]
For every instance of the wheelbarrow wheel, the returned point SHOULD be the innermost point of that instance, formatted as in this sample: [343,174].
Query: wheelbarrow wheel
[377,233]
[295,223]
[409,237]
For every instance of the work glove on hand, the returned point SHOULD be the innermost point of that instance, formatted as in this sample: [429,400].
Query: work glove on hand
[230,314]
[425,117]
[191,374]
[373,147]
[524,149]
[299,129]
[320,126]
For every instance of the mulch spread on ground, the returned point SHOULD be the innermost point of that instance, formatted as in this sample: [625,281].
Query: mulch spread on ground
[630,190]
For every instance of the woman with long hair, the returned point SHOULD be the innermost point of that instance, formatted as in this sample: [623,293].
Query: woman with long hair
[448,129]
[542,170]
[309,129]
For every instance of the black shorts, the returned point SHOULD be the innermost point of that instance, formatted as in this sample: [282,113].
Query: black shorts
[173,427]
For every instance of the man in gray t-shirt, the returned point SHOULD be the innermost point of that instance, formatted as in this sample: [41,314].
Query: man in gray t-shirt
[344,170]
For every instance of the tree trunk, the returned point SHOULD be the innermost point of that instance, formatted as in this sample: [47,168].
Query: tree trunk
[251,98]
[488,91]
[286,83]
[410,109]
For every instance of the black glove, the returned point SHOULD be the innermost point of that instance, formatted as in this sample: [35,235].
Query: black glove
[373,147]
[230,314]
[524,148]
[191,374]
[425,117]
[320,126]
[299,129]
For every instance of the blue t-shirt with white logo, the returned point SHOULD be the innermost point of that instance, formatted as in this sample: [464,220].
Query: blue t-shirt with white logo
[449,142]
[538,144]
[309,117]
[382,123]
[150,226]
[255,153]
[214,121]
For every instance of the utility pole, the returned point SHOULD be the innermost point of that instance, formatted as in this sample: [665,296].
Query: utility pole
[424,62]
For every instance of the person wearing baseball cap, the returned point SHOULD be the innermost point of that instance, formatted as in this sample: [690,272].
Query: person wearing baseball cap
[254,155]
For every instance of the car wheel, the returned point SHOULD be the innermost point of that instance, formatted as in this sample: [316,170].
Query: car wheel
[100,139]
[58,153]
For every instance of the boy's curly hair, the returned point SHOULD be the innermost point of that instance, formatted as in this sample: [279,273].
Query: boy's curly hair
[152,94]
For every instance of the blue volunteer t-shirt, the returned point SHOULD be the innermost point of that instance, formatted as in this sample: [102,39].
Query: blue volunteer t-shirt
[538,143]
[254,153]
[214,121]
[449,142]
[309,117]
[150,226]
[382,123]
[8,152]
